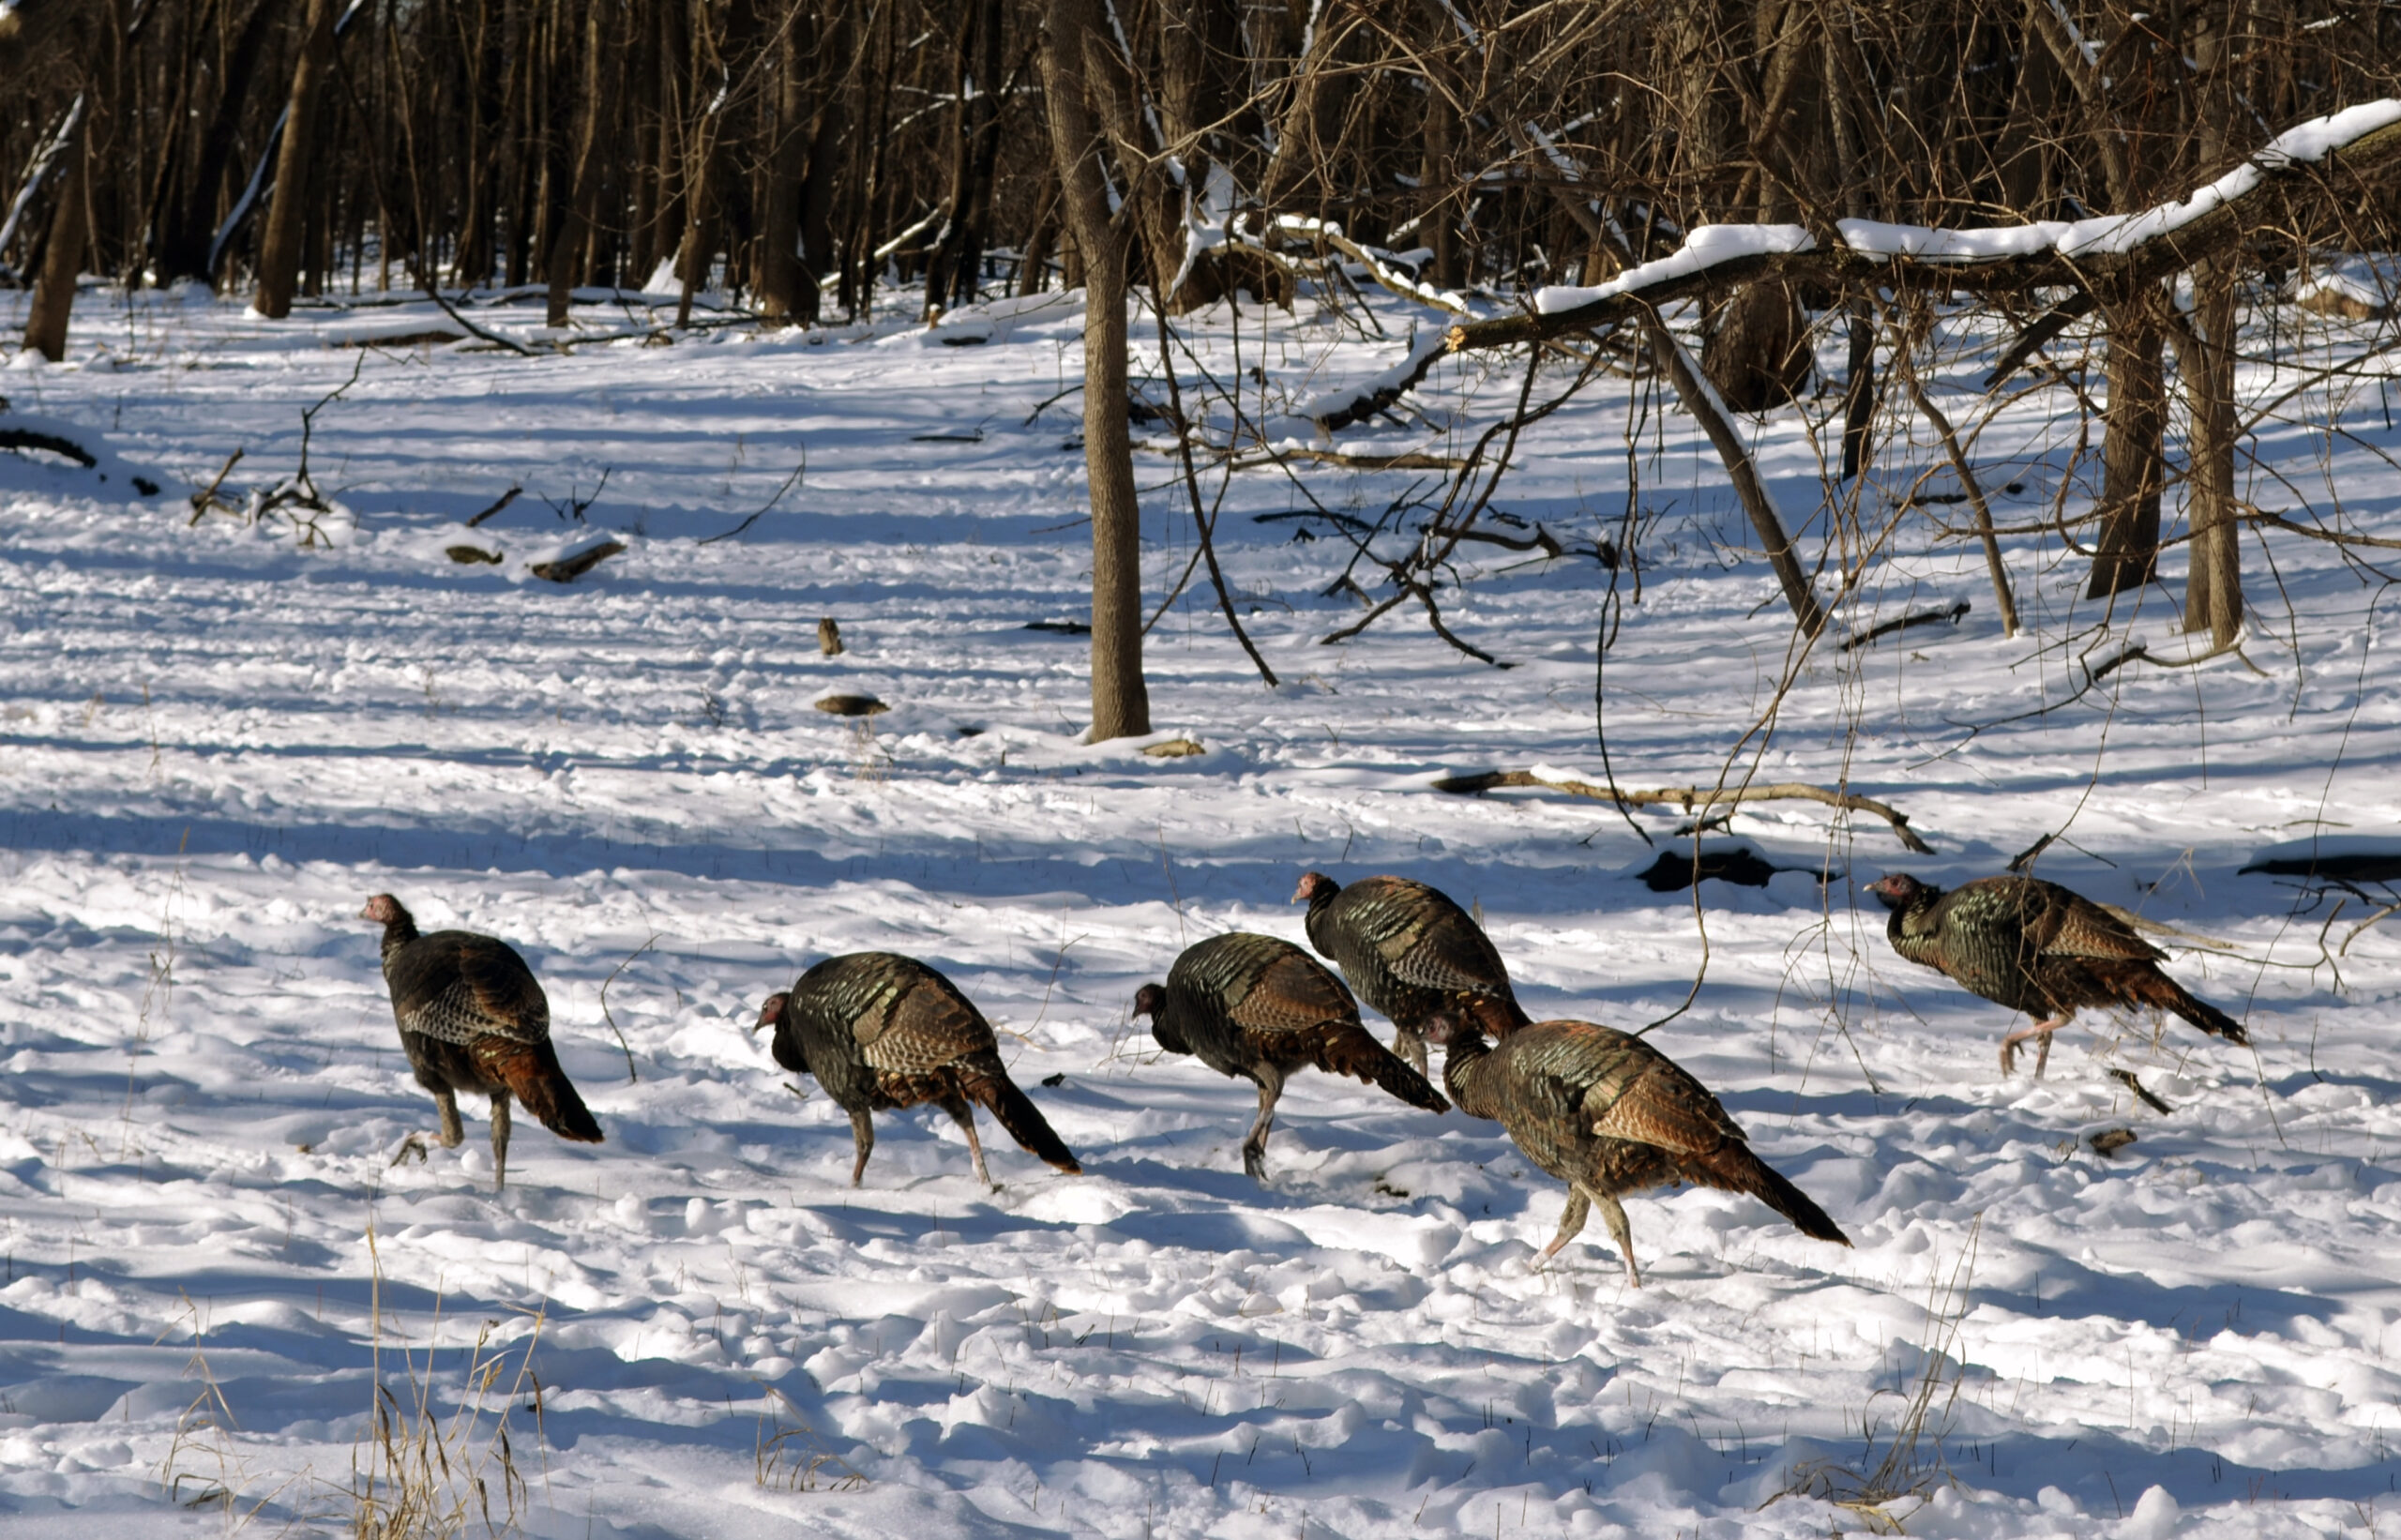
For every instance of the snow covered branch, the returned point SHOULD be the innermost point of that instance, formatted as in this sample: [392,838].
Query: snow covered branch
[2110,250]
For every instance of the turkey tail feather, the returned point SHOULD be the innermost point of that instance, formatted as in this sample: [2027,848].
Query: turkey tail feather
[532,1073]
[2150,987]
[1015,1112]
[1734,1168]
[1345,1048]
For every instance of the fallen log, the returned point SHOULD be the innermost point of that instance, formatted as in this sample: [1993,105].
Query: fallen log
[568,569]
[1692,797]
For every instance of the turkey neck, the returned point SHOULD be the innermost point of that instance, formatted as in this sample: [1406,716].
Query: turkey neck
[1467,1066]
[398,931]
[1319,926]
[1904,931]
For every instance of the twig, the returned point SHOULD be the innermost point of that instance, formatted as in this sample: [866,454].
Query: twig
[605,1015]
[2126,1076]
[1691,797]
[1199,517]
[790,482]
[511,496]
[2025,857]
[206,498]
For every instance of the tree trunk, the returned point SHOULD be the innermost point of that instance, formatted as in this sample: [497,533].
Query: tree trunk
[566,263]
[62,256]
[787,175]
[1120,701]
[2134,425]
[1440,229]
[2213,583]
[287,208]
[956,270]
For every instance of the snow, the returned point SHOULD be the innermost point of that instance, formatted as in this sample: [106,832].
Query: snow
[216,744]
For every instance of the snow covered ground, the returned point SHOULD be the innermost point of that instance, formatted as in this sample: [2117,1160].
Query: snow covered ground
[216,741]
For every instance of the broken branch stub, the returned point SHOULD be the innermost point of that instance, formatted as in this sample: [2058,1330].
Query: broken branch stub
[1692,797]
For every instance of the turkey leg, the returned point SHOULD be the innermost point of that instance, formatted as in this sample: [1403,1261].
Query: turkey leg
[453,1134]
[1571,1224]
[958,1108]
[1254,1149]
[499,1140]
[2040,1031]
[1614,1212]
[862,1134]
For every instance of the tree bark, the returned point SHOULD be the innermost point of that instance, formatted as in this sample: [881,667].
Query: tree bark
[2133,425]
[288,206]
[62,255]
[1119,700]
[2213,582]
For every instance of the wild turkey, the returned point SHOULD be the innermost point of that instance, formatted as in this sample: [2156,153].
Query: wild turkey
[1261,1008]
[472,1018]
[1410,952]
[1607,1113]
[882,1032]
[2035,946]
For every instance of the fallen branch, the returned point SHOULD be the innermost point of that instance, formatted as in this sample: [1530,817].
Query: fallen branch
[1691,797]
[1903,623]
[434,292]
[1411,460]
[26,438]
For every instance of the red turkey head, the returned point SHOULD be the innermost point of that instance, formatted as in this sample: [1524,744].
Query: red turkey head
[1443,1029]
[1148,1000]
[773,1011]
[382,909]
[1313,886]
[1896,891]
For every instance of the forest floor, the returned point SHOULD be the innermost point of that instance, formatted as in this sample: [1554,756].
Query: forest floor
[218,736]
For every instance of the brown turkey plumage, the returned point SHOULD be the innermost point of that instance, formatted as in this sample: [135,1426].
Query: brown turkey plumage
[2037,947]
[472,1018]
[1261,1008]
[1410,951]
[1607,1113]
[881,1031]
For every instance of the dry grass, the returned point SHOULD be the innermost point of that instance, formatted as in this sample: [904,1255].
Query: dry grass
[792,1458]
[425,1472]
[1912,1463]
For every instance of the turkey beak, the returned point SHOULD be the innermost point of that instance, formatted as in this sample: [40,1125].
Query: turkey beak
[368,912]
[1300,891]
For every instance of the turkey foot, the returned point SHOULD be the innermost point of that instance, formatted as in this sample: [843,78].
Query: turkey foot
[2041,1032]
[451,1136]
